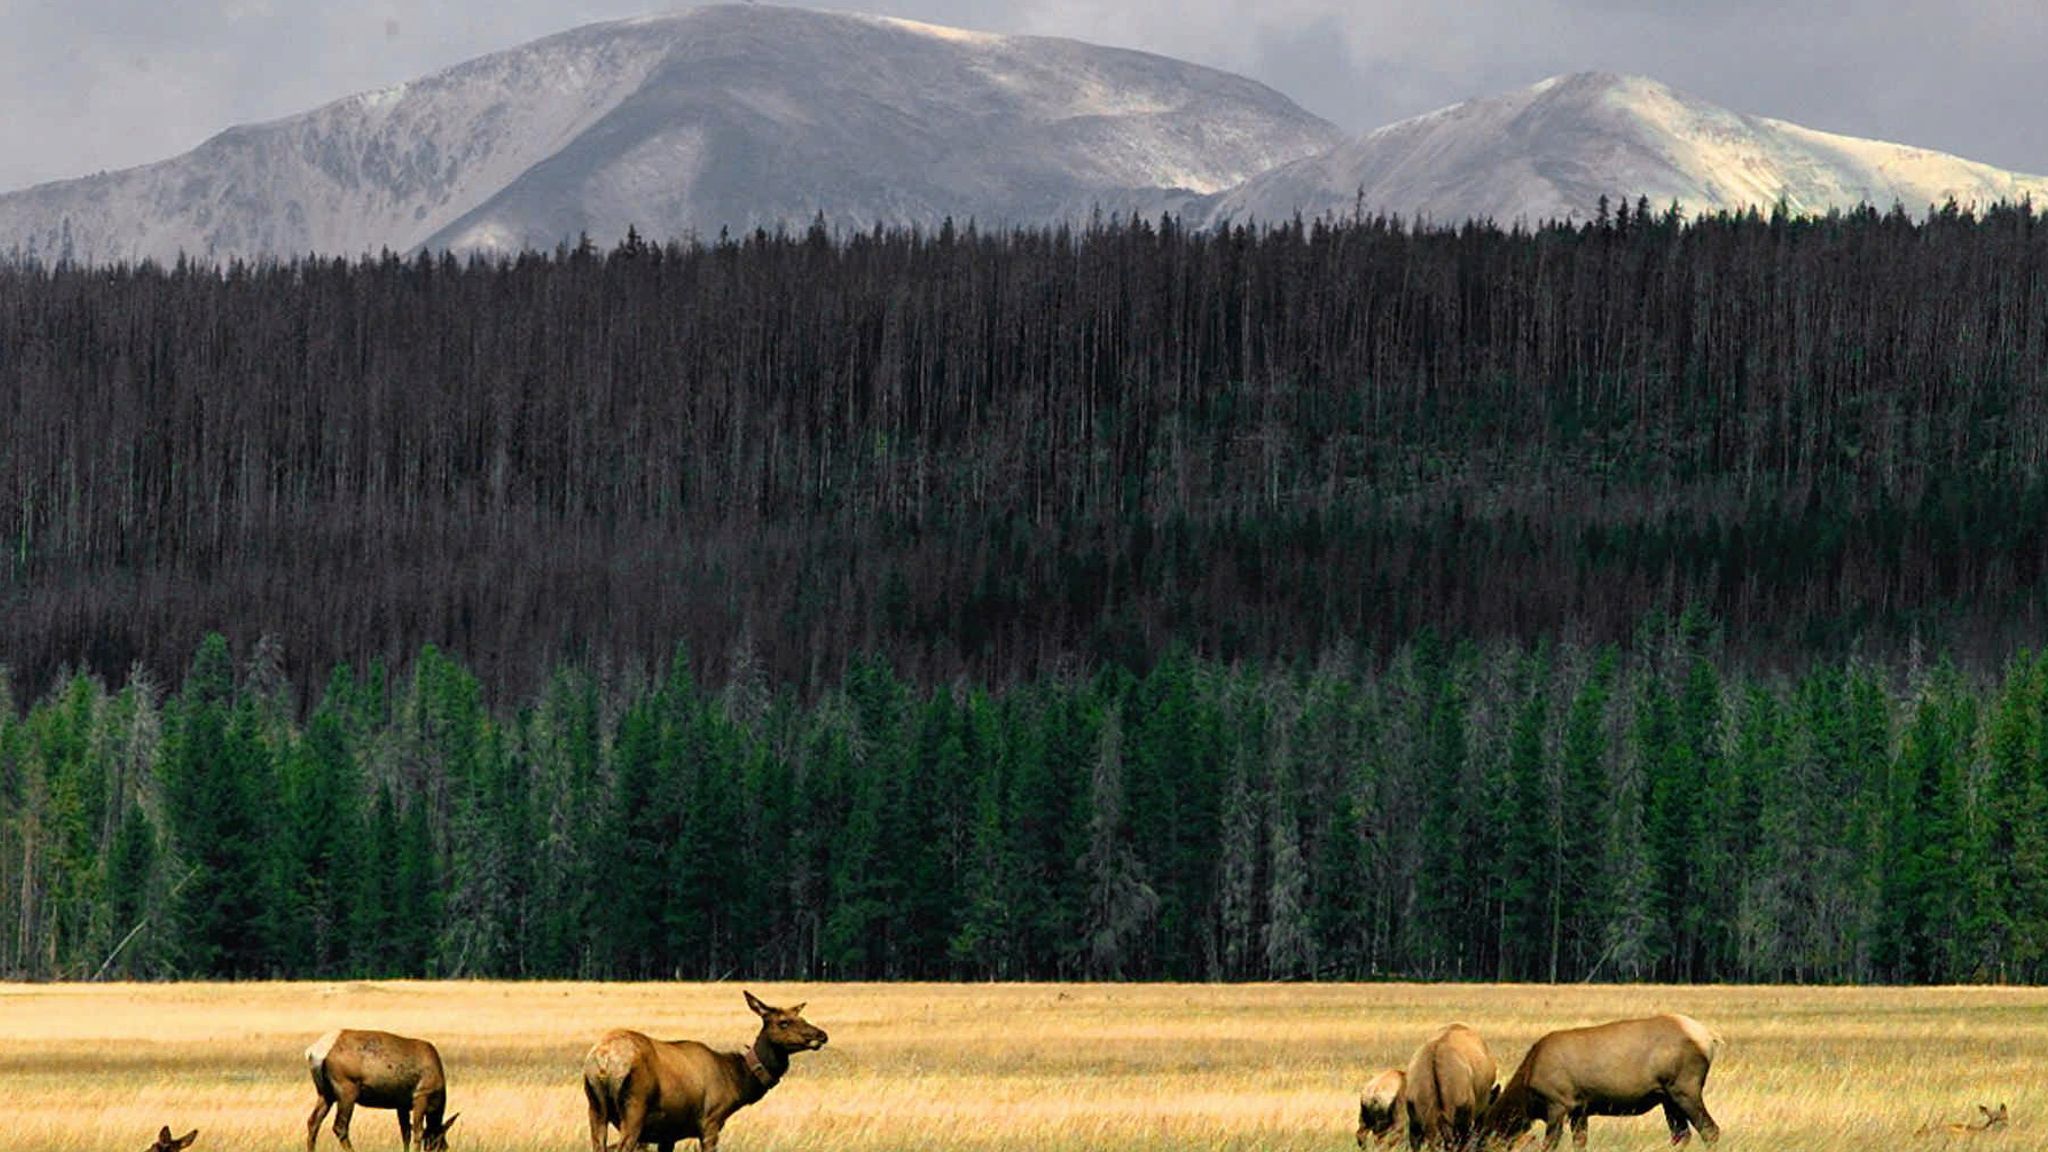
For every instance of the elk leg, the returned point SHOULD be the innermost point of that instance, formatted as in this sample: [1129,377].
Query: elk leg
[313,1122]
[404,1129]
[631,1118]
[1674,1119]
[1695,1110]
[344,1110]
[597,1121]
[1578,1123]
[708,1142]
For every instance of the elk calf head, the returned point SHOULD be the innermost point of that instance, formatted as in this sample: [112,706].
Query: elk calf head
[164,1143]
[1987,1119]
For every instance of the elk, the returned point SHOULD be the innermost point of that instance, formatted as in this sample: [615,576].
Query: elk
[1622,1068]
[379,1070]
[164,1143]
[1379,1106]
[662,1091]
[1987,1120]
[1448,1085]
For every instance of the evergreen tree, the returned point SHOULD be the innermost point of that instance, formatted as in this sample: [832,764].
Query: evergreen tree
[1289,944]
[2012,915]
[1923,936]
[1582,894]
[132,892]
[373,911]
[1237,869]
[561,744]
[1122,906]
[319,849]
[642,916]
[213,785]
[1531,822]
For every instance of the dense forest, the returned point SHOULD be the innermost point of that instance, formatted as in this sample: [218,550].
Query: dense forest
[1645,599]
[1500,811]
[987,455]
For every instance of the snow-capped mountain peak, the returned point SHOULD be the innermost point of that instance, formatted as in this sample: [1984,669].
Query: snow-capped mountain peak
[720,116]
[1551,150]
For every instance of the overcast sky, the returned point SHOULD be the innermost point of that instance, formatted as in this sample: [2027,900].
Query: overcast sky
[93,84]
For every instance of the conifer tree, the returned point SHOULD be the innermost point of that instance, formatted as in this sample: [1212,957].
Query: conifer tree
[213,785]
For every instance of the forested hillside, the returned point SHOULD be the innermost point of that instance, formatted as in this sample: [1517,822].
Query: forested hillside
[1546,812]
[987,455]
[1641,600]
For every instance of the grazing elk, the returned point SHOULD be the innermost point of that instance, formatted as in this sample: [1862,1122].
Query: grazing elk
[164,1143]
[662,1091]
[1449,1083]
[379,1070]
[1379,1106]
[1623,1068]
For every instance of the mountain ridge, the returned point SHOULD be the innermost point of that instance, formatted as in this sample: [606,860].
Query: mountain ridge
[721,116]
[736,116]
[1552,149]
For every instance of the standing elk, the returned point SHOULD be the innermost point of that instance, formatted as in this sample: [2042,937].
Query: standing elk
[1453,1074]
[1448,1086]
[1623,1068]
[379,1070]
[662,1091]
[164,1143]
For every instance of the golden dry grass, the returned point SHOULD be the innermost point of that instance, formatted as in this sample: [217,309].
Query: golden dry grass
[999,1066]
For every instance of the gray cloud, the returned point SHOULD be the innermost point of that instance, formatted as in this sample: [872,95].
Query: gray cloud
[94,84]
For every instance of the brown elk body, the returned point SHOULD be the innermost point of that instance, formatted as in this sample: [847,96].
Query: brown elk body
[1379,1106]
[662,1091]
[1448,1085]
[379,1070]
[164,1143]
[1622,1068]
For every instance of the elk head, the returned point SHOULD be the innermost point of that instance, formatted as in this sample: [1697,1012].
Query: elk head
[1378,1105]
[786,1028]
[435,1138]
[164,1143]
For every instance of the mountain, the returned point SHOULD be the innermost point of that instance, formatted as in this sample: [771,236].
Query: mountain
[725,116]
[1552,150]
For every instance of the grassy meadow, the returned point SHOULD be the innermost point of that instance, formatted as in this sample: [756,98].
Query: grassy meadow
[998,1066]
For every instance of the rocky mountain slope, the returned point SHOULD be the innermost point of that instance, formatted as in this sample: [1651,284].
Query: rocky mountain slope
[718,117]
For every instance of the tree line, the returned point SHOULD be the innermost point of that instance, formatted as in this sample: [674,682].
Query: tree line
[992,455]
[1554,810]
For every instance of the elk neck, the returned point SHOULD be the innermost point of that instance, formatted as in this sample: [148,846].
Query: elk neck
[765,1061]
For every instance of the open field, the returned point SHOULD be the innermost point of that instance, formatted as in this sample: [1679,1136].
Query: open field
[998,1066]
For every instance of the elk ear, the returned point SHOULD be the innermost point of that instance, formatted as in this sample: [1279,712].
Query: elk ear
[796,1009]
[450,1123]
[163,1135]
[186,1140]
[754,1002]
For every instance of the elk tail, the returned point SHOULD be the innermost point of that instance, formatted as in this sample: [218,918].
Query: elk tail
[316,1063]
[1706,1039]
[1444,1100]
[604,1082]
